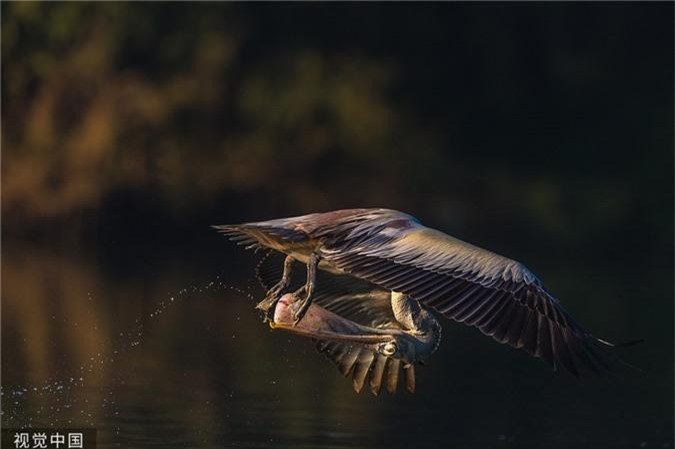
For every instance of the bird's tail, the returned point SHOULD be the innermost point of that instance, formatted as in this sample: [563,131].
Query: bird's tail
[271,234]
[240,234]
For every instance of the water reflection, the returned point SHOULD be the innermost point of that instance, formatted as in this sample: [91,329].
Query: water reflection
[177,357]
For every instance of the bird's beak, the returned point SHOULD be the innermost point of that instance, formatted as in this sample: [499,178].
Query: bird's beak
[324,325]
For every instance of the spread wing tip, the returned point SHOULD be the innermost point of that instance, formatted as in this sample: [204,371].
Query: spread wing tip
[584,355]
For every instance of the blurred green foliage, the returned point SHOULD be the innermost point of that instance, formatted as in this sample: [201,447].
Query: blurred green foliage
[553,119]
[102,97]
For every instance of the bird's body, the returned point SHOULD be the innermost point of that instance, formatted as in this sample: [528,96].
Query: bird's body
[395,252]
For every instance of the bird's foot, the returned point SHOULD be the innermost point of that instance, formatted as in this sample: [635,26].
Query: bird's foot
[299,306]
[268,305]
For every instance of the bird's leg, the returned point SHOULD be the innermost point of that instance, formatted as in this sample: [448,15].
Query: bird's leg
[273,295]
[300,307]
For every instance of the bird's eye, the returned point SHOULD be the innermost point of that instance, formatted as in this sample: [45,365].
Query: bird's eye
[388,349]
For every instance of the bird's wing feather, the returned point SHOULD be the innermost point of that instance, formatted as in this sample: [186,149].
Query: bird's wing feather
[476,287]
[363,365]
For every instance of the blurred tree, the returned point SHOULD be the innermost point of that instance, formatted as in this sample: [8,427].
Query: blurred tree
[549,117]
[115,96]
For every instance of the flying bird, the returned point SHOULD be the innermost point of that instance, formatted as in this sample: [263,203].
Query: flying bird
[423,269]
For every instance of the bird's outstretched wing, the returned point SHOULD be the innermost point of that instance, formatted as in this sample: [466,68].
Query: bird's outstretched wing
[470,285]
[358,301]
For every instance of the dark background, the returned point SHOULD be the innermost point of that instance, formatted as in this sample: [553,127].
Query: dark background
[540,131]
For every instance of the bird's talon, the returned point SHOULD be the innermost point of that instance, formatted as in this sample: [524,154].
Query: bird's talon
[298,309]
[269,302]
[297,319]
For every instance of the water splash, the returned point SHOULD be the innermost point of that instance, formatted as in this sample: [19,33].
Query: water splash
[66,402]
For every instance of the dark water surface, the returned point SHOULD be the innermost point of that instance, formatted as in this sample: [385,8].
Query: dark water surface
[170,353]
